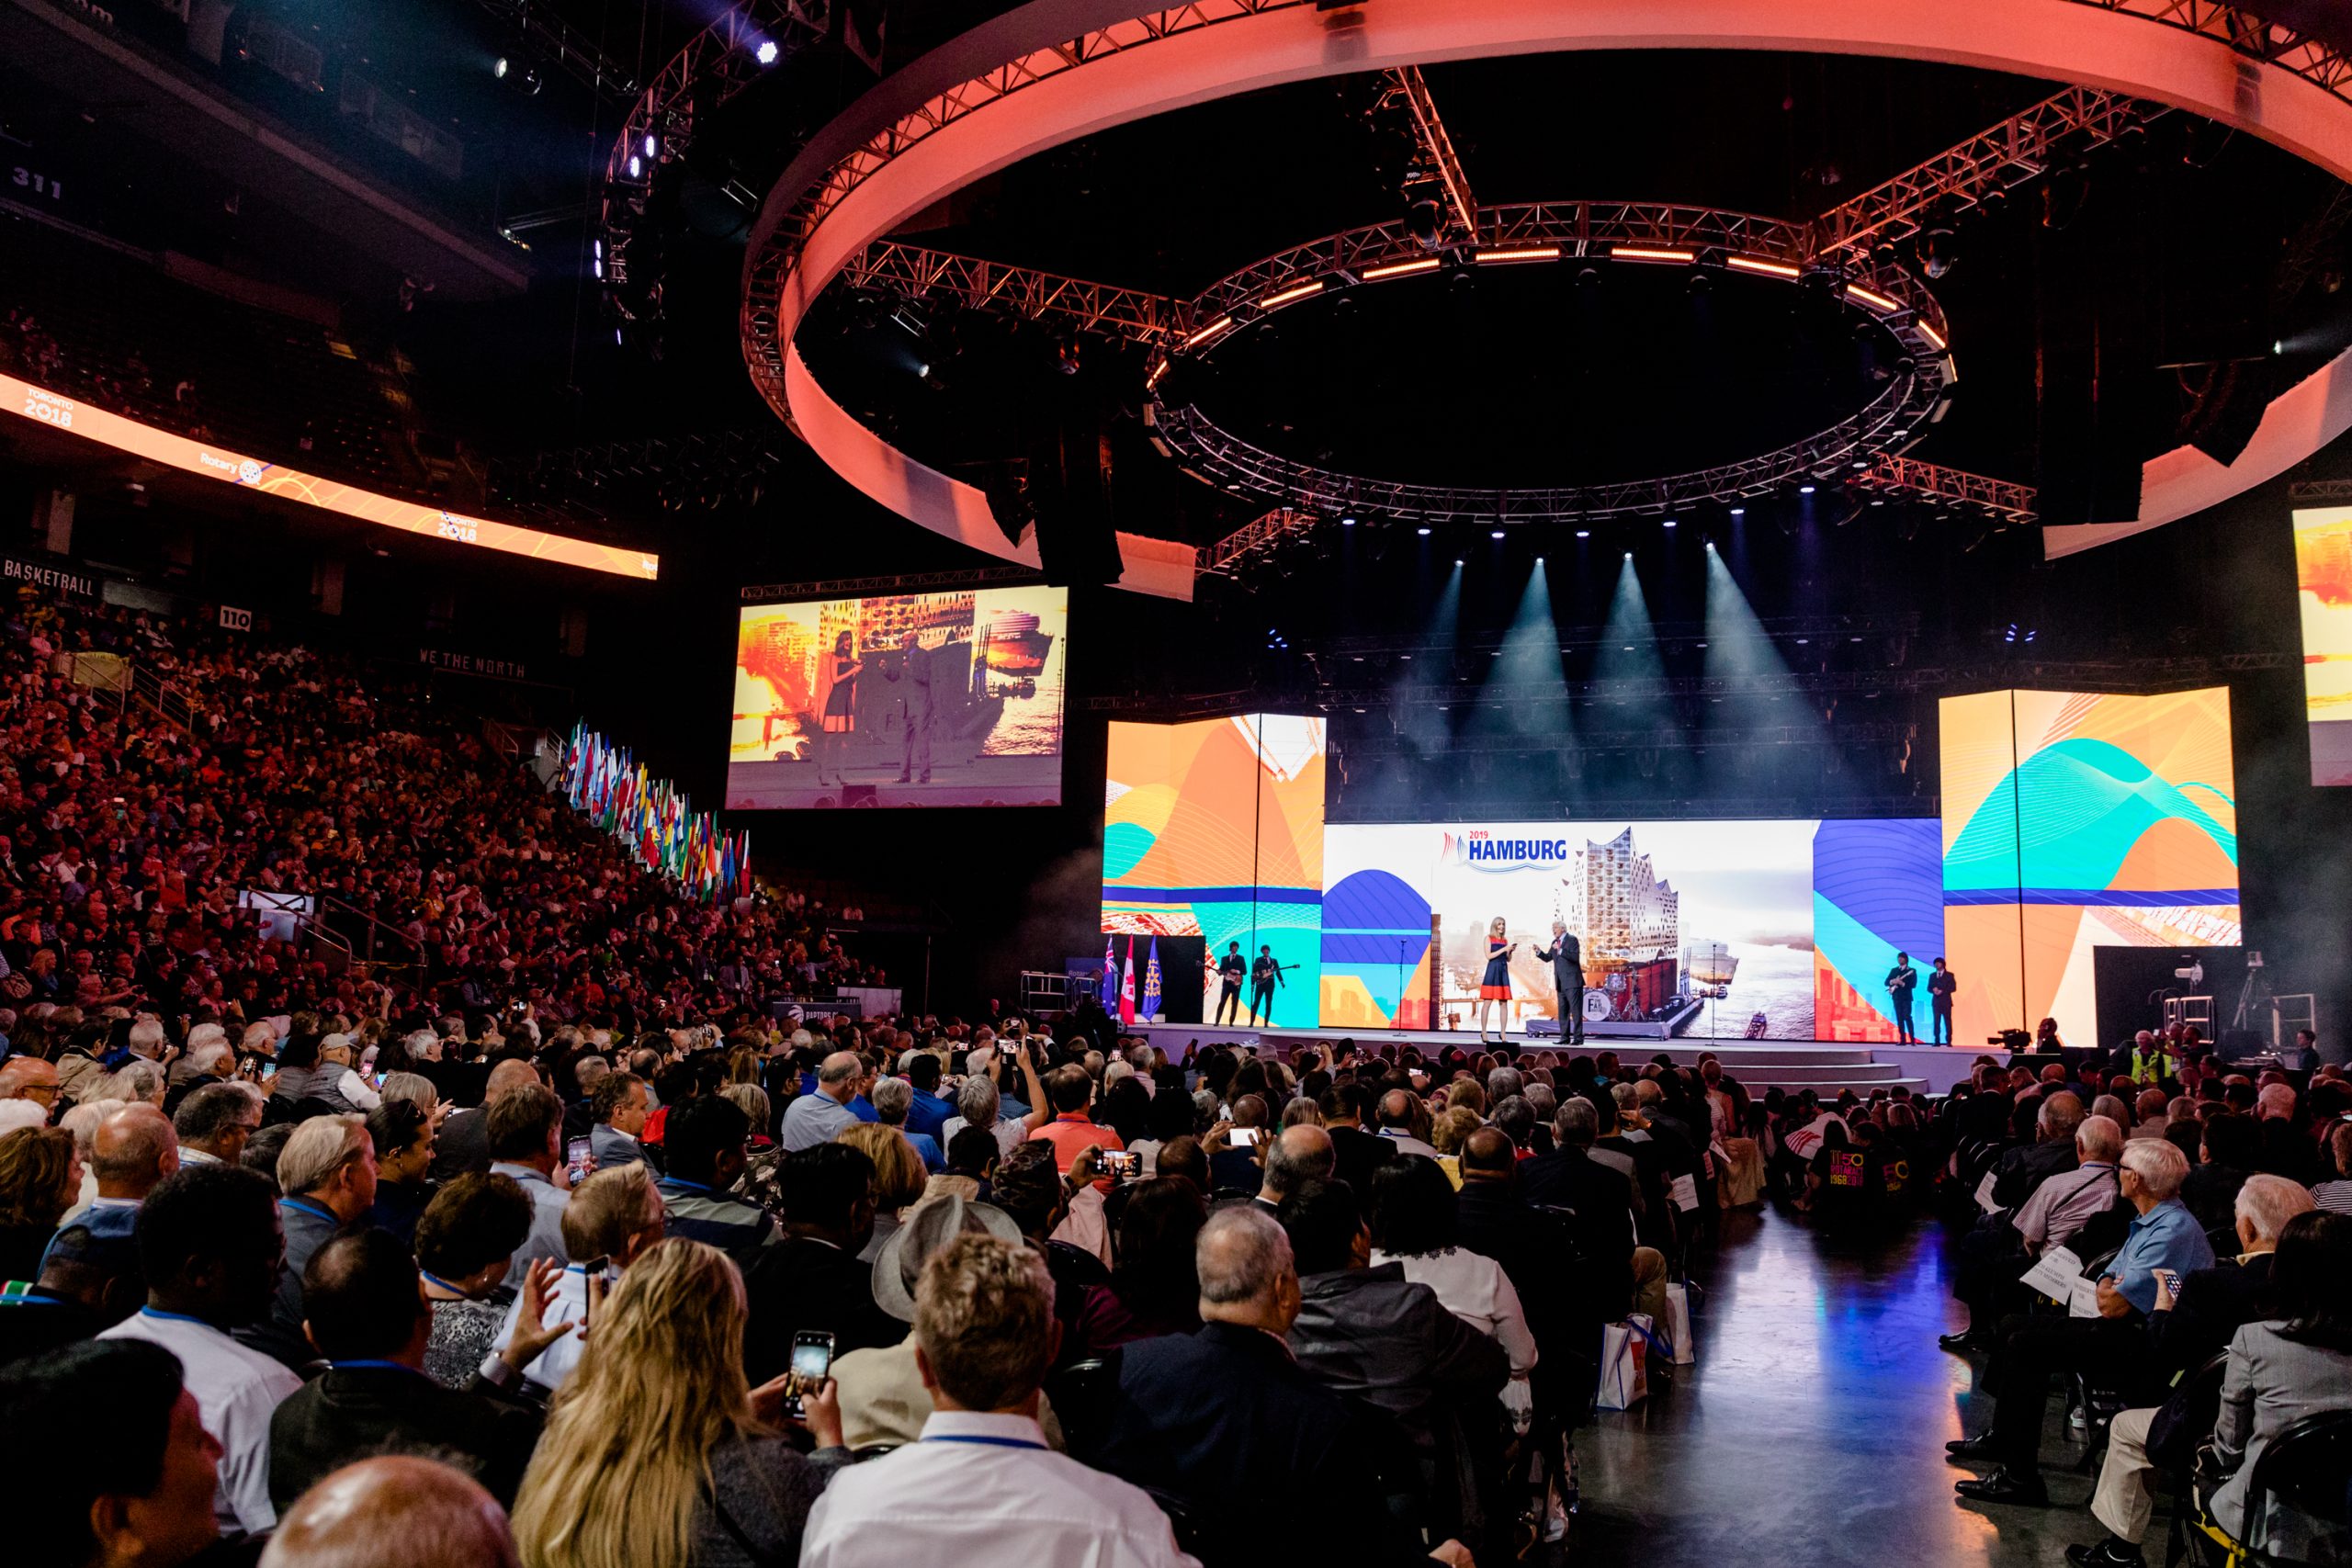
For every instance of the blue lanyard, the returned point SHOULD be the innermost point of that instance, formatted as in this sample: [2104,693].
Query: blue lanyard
[981,1441]
[321,1210]
[689,1186]
[172,1316]
[373,1363]
[432,1278]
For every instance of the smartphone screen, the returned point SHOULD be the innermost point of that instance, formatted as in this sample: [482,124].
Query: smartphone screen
[1245,1137]
[812,1362]
[577,1156]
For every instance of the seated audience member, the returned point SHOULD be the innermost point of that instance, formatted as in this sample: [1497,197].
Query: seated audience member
[893,1098]
[1413,1225]
[980,1104]
[362,1313]
[1152,1288]
[2110,1348]
[1369,1333]
[87,1284]
[1402,1116]
[466,1241]
[2017,1172]
[2281,1372]
[402,1135]
[327,1173]
[1996,1251]
[812,1279]
[927,1113]
[211,1248]
[1036,1196]
[1299,1155]
[705,1144]
[660,1397]
[1226,1413]
[2336,1196]
[1239,1166]
[620,1108]
[1536,1251]
[41,1173]
[1354,1152]
[525,1129]
[213,1122]
[463,1143]
[614,1217]
[131,1150]
[2212,1305]
[882,1399]
[982,1488]
[1069,1090]
[393,1513]
[123,1471]
[815,1116]
[899,1176]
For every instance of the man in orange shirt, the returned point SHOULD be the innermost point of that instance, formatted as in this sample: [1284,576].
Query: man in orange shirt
[1072,1129]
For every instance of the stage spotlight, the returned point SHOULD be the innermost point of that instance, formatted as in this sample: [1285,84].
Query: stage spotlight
[765,54]
[1422,531]
[1804,489]
[1347,522]
[1939,247]
[1668,523]
[1629,555]
[1424,218]
[1584,533]
[1458,561]
[636,166]
[652,145]
[1739,512]
[499,69]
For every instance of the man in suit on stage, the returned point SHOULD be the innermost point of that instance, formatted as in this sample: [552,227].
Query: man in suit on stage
[1900,982]
[1229,970]
[1567,958]
[1265,975]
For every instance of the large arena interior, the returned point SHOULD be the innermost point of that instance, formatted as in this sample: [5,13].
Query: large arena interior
[866,781]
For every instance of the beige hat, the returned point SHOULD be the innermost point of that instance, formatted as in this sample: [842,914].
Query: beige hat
[929,1226]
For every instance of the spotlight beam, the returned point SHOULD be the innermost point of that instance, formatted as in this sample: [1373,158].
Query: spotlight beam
[1405,85]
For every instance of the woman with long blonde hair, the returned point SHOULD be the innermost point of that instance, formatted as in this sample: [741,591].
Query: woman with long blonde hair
[1494,985]
[656,1454]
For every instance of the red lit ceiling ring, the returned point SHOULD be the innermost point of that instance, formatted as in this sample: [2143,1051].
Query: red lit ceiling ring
[1053,70]
[1539,233]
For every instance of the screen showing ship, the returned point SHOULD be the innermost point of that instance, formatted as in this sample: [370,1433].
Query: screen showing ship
[1012,643]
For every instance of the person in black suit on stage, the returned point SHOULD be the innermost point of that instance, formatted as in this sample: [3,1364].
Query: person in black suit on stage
[1265,975]
[1565,955]
[1901,981]
[1229,971]
[1941,986]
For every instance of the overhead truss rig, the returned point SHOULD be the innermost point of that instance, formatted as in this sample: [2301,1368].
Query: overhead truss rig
[905,582]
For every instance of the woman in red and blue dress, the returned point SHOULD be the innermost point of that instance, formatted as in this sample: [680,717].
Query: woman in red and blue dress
[841,710]
[1494,986]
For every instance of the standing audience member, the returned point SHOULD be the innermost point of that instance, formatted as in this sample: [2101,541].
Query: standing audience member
[812,1279]
[982,1489]
[210,1247]
[705,1142]
[525,1128]
[657,1453]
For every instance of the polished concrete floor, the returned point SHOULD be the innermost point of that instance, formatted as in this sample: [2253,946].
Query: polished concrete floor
[1812,1429]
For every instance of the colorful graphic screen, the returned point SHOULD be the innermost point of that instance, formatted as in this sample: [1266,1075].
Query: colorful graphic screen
[2323,591]
[1216,829]
[2073,821]
[952,698]
[207,461]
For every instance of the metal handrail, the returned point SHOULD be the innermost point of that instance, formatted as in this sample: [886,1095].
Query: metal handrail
[373,925]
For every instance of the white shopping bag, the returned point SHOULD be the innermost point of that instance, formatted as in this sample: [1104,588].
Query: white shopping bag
[1681,1347]
[1624,1364]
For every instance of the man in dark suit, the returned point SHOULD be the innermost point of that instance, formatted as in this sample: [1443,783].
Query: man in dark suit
[1565,955]
[1356,1153]
[1601,1199]
[363,1313]
[1205,1420]
[2017,1172]
[813,1279]
[1537,1251]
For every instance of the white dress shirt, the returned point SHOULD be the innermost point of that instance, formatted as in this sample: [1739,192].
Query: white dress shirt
[548,1204]
[568,1302]
[235,1390]
[985,1492]
[1475,1289]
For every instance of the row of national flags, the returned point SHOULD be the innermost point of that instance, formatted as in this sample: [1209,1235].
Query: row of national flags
[653,817]
[1119,982]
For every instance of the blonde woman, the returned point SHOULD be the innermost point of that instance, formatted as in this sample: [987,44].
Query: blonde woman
[899,1177]
[1494,986]
[656,1454]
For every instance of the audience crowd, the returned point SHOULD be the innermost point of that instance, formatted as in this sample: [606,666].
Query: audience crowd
[589,1236]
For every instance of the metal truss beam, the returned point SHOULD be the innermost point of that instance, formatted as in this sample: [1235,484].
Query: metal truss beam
[1678,737]
[1998,158]
[1894,474]
[979,285]
[1405,85]
[2320,489]
[906,582]
[550,38]
[1893,624]
[1261,533]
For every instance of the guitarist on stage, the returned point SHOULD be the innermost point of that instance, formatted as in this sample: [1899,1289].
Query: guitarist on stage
[1229,974]
[1265,975]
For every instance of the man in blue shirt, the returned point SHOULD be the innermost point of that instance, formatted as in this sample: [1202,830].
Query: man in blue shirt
[2110,1349]
[926,1114]
[813,1118]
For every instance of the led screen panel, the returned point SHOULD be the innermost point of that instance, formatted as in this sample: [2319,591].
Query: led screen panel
[2073,821]
[209,461]
[950,698]
[2323,594]
[1215,830]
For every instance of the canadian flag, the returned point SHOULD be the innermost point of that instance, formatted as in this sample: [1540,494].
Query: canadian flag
[1127,986]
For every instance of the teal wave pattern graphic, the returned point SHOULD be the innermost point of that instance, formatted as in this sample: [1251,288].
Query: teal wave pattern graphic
[2073,812]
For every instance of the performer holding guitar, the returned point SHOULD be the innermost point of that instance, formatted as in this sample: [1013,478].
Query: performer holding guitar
[1265,975]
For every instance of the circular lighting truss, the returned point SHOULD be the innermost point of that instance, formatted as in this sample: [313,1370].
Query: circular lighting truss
[1577,233]
[1076,67]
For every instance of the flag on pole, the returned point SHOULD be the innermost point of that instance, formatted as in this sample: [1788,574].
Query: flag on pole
[1108,993]
[1127,987]
[1151,1004]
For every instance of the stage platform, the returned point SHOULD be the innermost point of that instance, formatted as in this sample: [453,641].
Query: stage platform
[1821,1065]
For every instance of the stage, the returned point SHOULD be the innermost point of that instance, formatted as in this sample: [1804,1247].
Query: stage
[1821,1065]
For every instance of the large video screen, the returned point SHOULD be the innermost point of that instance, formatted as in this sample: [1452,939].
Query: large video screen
[2323,591]
[1215,830]
[952,698]
[2073,821]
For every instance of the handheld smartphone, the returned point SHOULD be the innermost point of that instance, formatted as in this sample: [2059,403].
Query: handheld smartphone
[2169,1280]
[269,1071]
[1008,1047]
[812,1363]
[1119,1164]
[1244,1137]
[576,1154]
